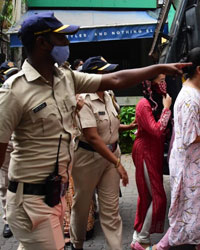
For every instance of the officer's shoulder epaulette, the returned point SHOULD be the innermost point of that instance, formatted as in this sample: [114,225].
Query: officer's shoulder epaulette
[65,68]
[9,83]
[65,65]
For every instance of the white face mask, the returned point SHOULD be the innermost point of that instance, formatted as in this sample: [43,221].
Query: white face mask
[79,68]
[60,54]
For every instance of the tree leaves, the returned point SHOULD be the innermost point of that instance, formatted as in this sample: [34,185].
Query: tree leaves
[126,138]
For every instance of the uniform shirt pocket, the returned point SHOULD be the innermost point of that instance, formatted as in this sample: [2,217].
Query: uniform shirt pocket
[102,119]
[45,121]
[101,115]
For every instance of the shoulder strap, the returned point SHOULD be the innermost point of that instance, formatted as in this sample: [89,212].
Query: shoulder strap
[114,101]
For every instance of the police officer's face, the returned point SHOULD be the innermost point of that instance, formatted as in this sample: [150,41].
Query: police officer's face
[46,42]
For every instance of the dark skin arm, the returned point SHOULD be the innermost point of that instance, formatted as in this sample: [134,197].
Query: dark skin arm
[124,127]
[127,78]
[98,144]
[3,147]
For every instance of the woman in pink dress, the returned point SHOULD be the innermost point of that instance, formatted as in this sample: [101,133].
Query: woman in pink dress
[184,216]
[152,117]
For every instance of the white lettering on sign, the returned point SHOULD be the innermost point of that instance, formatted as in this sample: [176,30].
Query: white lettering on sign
[117,33]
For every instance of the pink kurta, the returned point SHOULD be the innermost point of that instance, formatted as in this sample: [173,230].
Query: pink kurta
[149,147]
[184,216]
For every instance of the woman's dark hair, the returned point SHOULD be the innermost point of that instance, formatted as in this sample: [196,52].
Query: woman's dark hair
[153,97]
[156,102]
[194,57]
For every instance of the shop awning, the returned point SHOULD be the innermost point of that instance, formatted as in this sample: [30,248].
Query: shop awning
[98,25]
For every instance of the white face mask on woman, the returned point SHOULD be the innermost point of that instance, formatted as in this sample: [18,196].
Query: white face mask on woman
[60,54]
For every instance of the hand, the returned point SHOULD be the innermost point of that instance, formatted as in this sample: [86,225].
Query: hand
[123,174]
[167,101]
[80,102]
[133,124]
[174,68]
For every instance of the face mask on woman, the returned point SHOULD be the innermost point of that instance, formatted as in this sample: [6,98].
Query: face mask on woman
[60,54]
[160,88]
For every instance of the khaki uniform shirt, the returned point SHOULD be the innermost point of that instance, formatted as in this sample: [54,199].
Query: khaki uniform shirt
[103,116]
[38,113]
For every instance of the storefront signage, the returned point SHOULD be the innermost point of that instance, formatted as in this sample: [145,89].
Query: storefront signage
[103,34]
[113,33]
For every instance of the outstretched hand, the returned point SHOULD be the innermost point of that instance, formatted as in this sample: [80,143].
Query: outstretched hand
[133,124]
[174,68]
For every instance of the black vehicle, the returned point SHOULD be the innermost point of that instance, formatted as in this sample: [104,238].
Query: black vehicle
[183,36]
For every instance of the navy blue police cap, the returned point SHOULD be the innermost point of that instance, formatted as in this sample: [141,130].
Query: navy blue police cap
[7,69]
[6,66]
[97,64]
[41,23]
[10,72]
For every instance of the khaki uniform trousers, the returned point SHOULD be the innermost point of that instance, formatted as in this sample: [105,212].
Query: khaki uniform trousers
[4,179]
[91,171]
[69,198]
[34,224]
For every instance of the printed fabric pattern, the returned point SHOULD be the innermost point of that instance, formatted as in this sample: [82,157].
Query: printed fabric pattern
[164,119]
[184,164]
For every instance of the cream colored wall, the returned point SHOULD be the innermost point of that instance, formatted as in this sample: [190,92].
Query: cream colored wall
[128,100]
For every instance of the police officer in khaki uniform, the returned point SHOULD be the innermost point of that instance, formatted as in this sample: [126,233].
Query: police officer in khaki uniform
[38,105]
[7,69]
[95,160]
[4,187]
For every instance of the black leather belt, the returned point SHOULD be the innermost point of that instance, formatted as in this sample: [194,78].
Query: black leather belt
[35,189]
[88,147]
[29,188]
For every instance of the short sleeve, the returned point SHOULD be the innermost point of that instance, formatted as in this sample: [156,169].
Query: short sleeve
[188,123]
[86,83]
[11,113]
[86,117]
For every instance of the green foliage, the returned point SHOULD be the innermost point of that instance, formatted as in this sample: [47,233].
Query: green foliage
[126,138]
[7,14]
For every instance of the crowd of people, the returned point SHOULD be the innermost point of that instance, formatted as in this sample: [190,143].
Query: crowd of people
[62,126]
